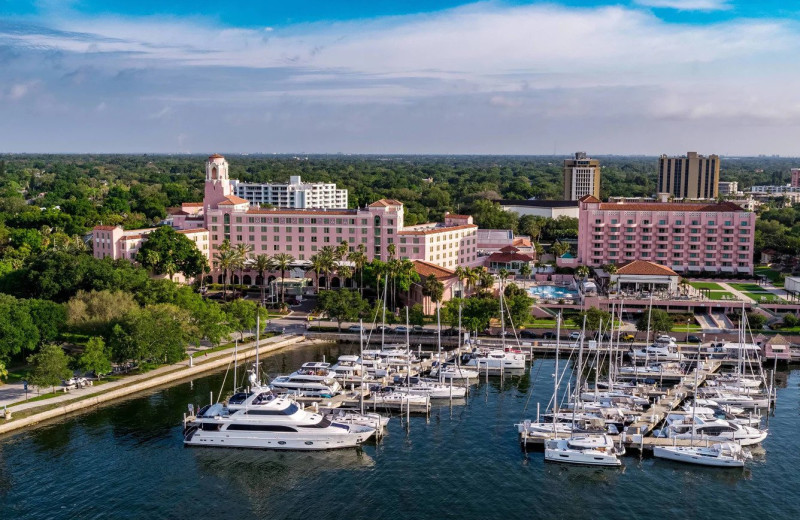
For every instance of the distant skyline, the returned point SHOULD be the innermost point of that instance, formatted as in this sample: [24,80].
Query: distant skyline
[631,77]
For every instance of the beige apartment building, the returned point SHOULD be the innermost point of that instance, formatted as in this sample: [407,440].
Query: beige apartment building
[691,176]
[581,177]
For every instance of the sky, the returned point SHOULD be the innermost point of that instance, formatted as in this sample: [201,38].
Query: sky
[401,76]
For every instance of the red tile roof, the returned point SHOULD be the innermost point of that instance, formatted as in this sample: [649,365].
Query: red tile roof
[216,156]
[453,215]
[231,200]
[192,204]
[504,258]
[385,202]
[671,206]
[105,228]
[645,268]
[195,230]
[589,198]
[425,269]
[509,249]
[524,242]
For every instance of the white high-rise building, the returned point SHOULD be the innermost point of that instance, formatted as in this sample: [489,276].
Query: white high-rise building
[581,177]
[294,195]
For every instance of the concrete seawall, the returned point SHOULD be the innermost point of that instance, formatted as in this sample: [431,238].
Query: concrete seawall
[161,380]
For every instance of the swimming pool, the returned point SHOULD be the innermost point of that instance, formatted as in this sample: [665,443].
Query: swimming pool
[552,291]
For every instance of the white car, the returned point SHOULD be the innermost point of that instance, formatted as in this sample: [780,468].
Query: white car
[402,329]
[665,339]
[355,328]
[575,335]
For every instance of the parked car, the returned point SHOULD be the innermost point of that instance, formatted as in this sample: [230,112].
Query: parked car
[627,337]
[402,329]
[693,339]
[575,335]
[355,328]
[603,337]
[549,335]
[387,329]
[525,333]
[665,338]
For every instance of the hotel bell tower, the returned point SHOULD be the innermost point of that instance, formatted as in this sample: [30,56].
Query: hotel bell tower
[218,185]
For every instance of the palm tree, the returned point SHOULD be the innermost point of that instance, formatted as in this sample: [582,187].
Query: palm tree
[224,260]
[582,271]
[461,274]
[282,262]
[473,276]
[242,252]
[392,249]
[170,268]
[341,250]
[393,267]
[318,265]
[359,259]
[433,288]
[263,264]
[407,272]
[525,270]
[345,273]
[328,255]
[486,280]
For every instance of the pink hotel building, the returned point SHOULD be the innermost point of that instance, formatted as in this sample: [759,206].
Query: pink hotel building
[686,237]
[303,232]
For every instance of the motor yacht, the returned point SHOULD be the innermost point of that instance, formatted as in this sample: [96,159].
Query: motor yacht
[682,426]
[314,379]
[496,361]
[661,350]
[276,423]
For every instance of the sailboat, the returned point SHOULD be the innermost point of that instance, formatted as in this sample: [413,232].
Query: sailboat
[586,450]
[722,455]
[454,372]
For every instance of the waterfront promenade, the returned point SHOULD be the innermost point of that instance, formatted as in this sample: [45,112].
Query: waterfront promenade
[27,413]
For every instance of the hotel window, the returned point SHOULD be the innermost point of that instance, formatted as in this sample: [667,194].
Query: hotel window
[263,238]
[301,229]
[301,248]
[251,229]
[630,221]
[288,229]
[238,220]
[630,230]
[712,223]
[662,222]
[416,250]
[276,247]
[263,229]
[277,238]
[238,229]
[613,221]
[213,219]
[263,247]
[313,248]
[598,221]
[238,238]
[288,238]
[251,238]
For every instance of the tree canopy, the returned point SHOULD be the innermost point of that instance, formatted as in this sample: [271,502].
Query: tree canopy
[168,252]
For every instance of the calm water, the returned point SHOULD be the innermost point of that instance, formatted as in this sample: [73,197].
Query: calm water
[127,461]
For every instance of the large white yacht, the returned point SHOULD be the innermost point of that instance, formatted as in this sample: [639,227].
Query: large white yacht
[348,369]
[496,361]
[314,379]
[271,423]
[661,350]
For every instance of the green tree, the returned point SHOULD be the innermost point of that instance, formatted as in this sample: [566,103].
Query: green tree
[594,319]
[416,315]
[433,288]
[168,252]
[343,305]
[96,311]
[3,371]
[18,332]
[263,264]
[95,357]
[50,366]
[756,320]
[660,321]
[518,304]
[359,259]
[48,317]
[242,315]
[155,333]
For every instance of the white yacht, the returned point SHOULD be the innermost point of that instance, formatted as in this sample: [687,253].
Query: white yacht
[681,426]
[496,361]
[314,379]
[276,423]
[433,390]
[587,450]
[401,401]
[723,455]
[348,369]
[661,350]
[728,398]
[373,364]
[453,372]
[342,416]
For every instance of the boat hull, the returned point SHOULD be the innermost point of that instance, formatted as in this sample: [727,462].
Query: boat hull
[293,442]
[691,456]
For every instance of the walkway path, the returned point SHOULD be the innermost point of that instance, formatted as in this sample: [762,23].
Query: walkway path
[13,395]
[739,294]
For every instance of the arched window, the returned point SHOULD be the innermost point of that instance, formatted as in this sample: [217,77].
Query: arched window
[377,221]
[247,279]
[226,218]
[214,172]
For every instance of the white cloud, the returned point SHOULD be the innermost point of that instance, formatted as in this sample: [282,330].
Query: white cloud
[688,5]
[526,67]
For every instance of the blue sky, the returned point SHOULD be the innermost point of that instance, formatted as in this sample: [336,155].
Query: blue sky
[627,77]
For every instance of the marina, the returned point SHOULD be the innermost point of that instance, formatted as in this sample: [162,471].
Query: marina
[137,463]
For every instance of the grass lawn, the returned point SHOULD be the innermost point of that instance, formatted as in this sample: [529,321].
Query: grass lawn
[717,295]
[773,275]
[747,287]
[767,297]
[707,285]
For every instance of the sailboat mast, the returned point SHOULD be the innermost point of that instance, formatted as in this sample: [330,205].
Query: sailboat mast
[555,376]
[361,359]
[258,343]
[502,321]
[439,338]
